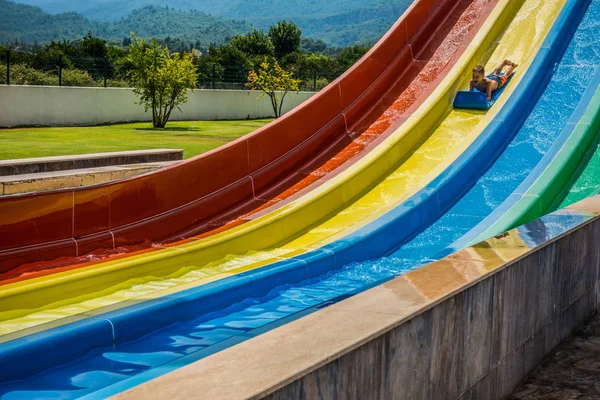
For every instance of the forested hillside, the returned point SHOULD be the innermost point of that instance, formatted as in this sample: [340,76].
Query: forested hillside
[337,22]
[29,24]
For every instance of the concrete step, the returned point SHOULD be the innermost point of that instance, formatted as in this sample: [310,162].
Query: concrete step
[82,161]
[28,183]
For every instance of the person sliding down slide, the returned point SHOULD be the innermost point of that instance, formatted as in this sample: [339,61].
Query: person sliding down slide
[494,81]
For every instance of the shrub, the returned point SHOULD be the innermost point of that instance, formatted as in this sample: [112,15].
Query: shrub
[76,77]
[321,83]
[115,83]
[23,75]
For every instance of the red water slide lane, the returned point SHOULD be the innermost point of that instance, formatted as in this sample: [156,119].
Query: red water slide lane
[433,64]
[210,190]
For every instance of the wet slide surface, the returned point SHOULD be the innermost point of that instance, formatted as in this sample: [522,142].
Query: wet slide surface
[214,191]
[109,366]
[551,115]
[588,183]
[133,280]
[406,91]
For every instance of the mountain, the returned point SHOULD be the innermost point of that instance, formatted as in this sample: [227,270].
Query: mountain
[337,22]
[187,25]
[29,24]
[364,25]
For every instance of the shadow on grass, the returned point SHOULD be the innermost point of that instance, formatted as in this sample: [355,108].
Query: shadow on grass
[169,129]
[183,133]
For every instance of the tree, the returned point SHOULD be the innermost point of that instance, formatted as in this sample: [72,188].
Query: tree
[228,55]
[348,56]
[309,45]
[274,82]
[292,61]
[92,47]
[318,63]
[160,80]
[254,43]
[285,37]
[93,56]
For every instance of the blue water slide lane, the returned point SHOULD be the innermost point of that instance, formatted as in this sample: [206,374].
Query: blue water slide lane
[372,241]
[575,76]
[528,182]
[544,133]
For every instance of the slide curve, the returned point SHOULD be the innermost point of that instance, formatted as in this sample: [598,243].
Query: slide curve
[406,161]
[254,172]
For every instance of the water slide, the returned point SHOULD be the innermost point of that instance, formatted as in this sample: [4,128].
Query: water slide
[534,173]
[409,87]
[560,136]
[403,163]
[217,302]
[266,231]
[229,185]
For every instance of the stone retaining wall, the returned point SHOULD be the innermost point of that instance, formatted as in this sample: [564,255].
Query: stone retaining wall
[478,344]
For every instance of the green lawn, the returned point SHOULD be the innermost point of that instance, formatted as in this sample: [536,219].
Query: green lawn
[194,137]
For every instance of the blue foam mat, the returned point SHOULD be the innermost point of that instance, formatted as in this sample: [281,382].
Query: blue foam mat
[476,99]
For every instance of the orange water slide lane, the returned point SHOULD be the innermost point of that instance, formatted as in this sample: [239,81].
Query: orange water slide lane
[402,93]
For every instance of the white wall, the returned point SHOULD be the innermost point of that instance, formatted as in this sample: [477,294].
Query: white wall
[51,105]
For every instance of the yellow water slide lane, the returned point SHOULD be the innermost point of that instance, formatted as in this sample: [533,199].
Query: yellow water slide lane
[433,137]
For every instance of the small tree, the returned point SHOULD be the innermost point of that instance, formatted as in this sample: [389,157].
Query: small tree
[160,79]
[285,37]
[274,82]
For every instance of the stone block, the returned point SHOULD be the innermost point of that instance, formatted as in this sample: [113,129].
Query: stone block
[485,388]
[360,373]
[407,363]
[477,321]
[447,347]
[58,166]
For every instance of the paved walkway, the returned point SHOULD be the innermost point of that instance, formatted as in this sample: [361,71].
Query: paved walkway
[573,372]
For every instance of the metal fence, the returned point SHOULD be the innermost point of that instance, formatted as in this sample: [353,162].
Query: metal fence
[21,68]
[236,77]
[215,76]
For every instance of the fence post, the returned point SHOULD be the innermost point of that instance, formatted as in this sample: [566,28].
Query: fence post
[60,70]
[214,72]
[105,70]
[314,80]
[7,66]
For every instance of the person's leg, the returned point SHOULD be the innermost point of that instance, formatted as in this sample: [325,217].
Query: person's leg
[511,67]
[500,67]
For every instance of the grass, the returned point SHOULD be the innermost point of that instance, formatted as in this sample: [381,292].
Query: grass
[194,137]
